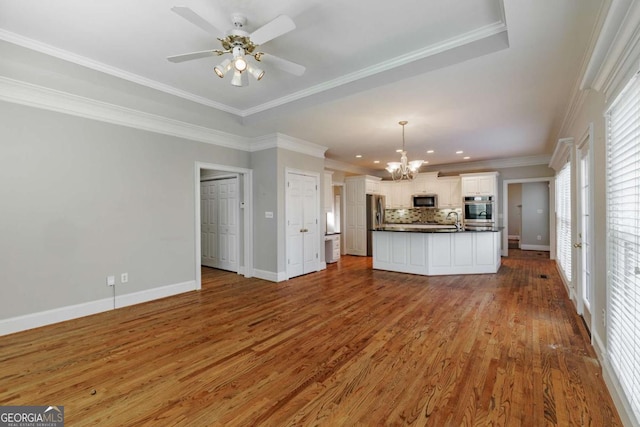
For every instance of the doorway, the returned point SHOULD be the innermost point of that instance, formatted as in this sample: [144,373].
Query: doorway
[244,179]
[220,226]
[547,210]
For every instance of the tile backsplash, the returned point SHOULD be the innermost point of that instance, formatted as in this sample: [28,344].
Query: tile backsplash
[408,216]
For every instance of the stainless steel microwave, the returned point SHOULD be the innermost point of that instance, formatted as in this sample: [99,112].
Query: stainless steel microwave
[425,200]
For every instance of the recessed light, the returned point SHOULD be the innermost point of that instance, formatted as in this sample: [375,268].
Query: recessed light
[466,157]
[358,156]
[429,151]
[399,150]
[425,162]
[376,161]
[459,152]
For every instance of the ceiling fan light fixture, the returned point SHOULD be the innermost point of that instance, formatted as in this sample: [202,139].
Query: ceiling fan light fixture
[240,79]
[256,72]
[222,68]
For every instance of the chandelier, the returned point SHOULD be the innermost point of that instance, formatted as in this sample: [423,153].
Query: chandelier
[404,169]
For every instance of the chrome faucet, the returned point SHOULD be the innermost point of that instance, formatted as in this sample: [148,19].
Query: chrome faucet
[457,223]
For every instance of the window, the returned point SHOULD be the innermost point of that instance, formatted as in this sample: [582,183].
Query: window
[563,220]
[623,240]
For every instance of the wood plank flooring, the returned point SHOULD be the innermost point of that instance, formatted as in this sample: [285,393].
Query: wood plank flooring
[345,346]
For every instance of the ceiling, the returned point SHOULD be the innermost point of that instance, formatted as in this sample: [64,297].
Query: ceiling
[490,78]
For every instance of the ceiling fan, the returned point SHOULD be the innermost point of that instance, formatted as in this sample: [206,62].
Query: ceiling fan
[240,44]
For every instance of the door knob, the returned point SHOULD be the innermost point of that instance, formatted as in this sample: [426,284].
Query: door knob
[577,245]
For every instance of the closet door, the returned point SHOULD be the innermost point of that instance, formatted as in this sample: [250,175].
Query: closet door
[209,223]
[302,224]
[228,224]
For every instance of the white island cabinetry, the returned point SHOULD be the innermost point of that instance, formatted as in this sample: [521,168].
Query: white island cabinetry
[434,254]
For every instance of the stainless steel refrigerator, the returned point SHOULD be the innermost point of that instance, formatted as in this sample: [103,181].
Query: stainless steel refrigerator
[375,218]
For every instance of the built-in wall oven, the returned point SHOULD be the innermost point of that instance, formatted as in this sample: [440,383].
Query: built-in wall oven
[479,212]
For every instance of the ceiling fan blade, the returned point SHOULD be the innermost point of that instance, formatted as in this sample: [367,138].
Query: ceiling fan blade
[279,26]
[189,56]
[199,21]
[283,64]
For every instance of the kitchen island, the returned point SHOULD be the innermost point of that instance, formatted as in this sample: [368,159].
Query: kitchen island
[433,251]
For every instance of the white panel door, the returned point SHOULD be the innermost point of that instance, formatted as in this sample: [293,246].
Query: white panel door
[209,223]
[310,221]
[228,213]
[302,229]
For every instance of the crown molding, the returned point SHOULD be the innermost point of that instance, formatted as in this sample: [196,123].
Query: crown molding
[286,142]
[494,164]
[561,154]
[452,43]
[578,93]
[337,165]
[110,70]
[616,49]
[466,38]
[19,92]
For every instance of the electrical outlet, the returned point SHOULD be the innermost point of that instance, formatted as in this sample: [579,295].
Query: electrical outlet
[111,280]
[124,277]
[539,237]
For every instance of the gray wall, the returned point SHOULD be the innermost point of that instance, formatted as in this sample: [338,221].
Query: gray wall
[535,214]
[265,186]
[83,199]
[515,209]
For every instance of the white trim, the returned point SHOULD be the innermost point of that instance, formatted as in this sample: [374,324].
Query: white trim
[110,70]
[617,48]
[247,199]
[61,314]
[269,275]
[513,162]
[62,102]
[425,52]
[617,395]
[23,93]
[154,294]
[561,154]
[446,45]
[280,140]
[552,210]
[337,165]
[546,248]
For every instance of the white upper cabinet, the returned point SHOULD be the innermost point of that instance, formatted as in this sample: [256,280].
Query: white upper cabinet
[479,184]
[425,183]
[448,191]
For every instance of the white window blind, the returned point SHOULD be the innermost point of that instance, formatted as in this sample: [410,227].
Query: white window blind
[623,241]
[563,220]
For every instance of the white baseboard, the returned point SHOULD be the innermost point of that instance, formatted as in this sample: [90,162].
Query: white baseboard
[535,247]
[610,380]
[265,275]
[48,317]
[154,293]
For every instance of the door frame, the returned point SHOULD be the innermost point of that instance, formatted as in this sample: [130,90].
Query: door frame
[552,209]
[246,205]
[577,254]
[320,263]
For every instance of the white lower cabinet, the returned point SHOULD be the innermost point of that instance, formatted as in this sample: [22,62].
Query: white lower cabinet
[434,254]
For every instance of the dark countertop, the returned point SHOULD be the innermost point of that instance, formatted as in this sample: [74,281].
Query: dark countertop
[435,230]
[331,234]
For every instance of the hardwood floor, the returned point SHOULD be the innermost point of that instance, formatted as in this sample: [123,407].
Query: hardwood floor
[346,346]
